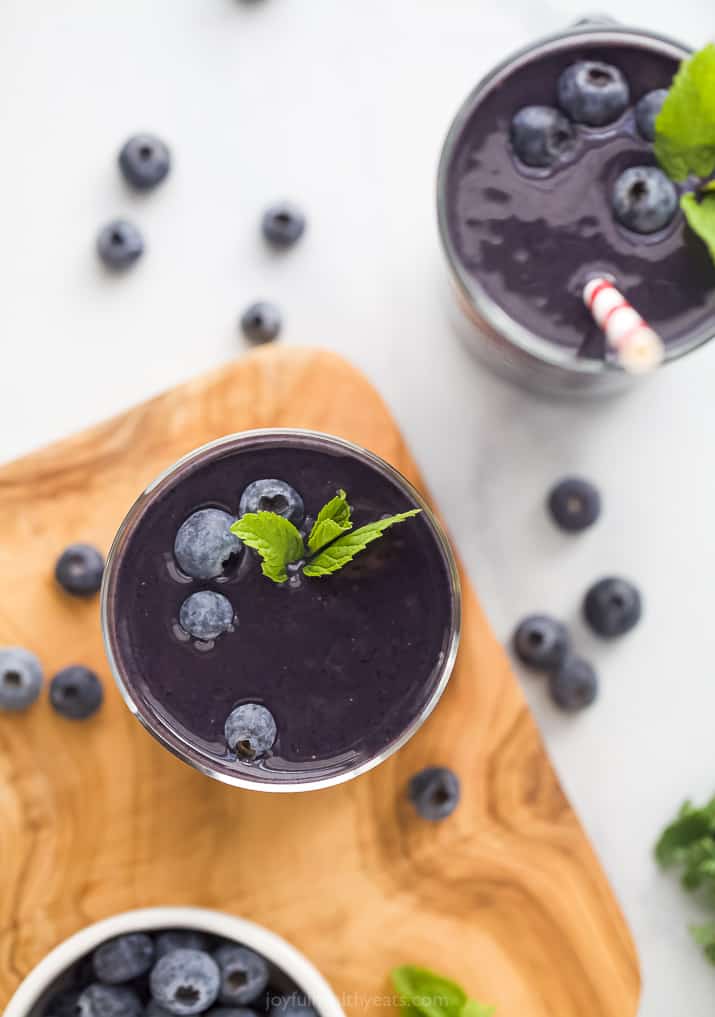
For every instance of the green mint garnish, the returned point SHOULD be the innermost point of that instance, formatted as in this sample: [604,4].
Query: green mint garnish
[331,544]
[430,995]
[701,216]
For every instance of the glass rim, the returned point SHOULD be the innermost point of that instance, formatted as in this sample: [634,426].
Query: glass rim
[469,288]
[171,739]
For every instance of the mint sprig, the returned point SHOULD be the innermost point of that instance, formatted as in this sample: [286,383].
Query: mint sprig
[426,993]
[331,544]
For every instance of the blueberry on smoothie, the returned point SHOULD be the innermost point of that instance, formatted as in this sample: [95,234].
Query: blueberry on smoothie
[204,543]
[244,974]
[541,642]
[144,161]
[647,109]
[20,678]
[180,939]
[574,684]
[119,244]
[250,731]
[123,958]
[612,607]
[108,1001]
[271,495]
[261,322]
[79,570]
[434,792]
[283,224]
[541,135]
[644,199]
[206,615]
[593,93]
[76,692]
[185,982]
[574,504]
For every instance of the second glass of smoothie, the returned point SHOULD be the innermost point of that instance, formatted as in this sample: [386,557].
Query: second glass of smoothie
[347,665]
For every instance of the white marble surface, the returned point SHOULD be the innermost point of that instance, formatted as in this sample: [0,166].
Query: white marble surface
[343,106]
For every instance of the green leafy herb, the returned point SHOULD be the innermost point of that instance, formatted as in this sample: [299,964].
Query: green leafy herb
[685,126]
[423,992]
[701,216]
[333,520]
[344,549]
[704,935]
[275,538]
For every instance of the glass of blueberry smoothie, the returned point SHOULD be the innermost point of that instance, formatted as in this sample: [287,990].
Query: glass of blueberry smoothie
[281,610]
[549,179]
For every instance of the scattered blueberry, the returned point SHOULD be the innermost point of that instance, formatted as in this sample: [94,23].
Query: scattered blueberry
[206,615]
[612,607]
[644,199]
[541,642]
[79,570]
[434,792]
[108,1001]
[20,678]
[250,731]
[261,322]
[244,974]
[123,958]
[273,496]
[185,982]
[573,685]
[204,543]
[283,224]
[76,692]
[289,1006]
[180,939]
[144,161]
[119,244]
[647,109]
[574,504]
[593,93]
[541,135]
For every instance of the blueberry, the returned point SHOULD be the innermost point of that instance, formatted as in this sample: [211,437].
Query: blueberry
[79,570]
[434,792]
[185,982]
[152,1009]
[612,607]
[63,1004]
[289,1006]
[541,135]
[20,678]
[204,543]
[541,642]
[119,244]
[273,496]
[123,958]
[574,503]
[593,93]
[244,974]
[574,684]
[261,322]
[108,1001]
[144,161]
[644,199]
[283,224]
[206,615]
[76,692]
[647,109]
[180,939]
[231,1011]
[250,731]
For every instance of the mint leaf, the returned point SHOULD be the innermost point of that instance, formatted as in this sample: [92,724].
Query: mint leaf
[333,519]
[687,829]
[685,126]
[704,935]
[474,1009]
[275,538]
[701,217]
[344,549]
[431,995]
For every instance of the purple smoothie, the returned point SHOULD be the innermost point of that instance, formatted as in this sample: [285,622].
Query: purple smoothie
[346,663]
[531,238]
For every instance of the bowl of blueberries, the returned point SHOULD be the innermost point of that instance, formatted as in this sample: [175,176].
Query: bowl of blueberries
[174,962]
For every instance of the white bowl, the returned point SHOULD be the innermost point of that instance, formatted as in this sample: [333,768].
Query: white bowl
[34,992]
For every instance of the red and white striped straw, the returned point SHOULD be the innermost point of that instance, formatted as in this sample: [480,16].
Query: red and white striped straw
[637,346]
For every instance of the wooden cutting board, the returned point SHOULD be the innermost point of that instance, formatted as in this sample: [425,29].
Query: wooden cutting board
[506,896]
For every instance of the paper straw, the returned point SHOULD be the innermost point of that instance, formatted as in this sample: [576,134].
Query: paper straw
[637,347]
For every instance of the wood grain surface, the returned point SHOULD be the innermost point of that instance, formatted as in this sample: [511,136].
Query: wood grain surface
[506,896]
